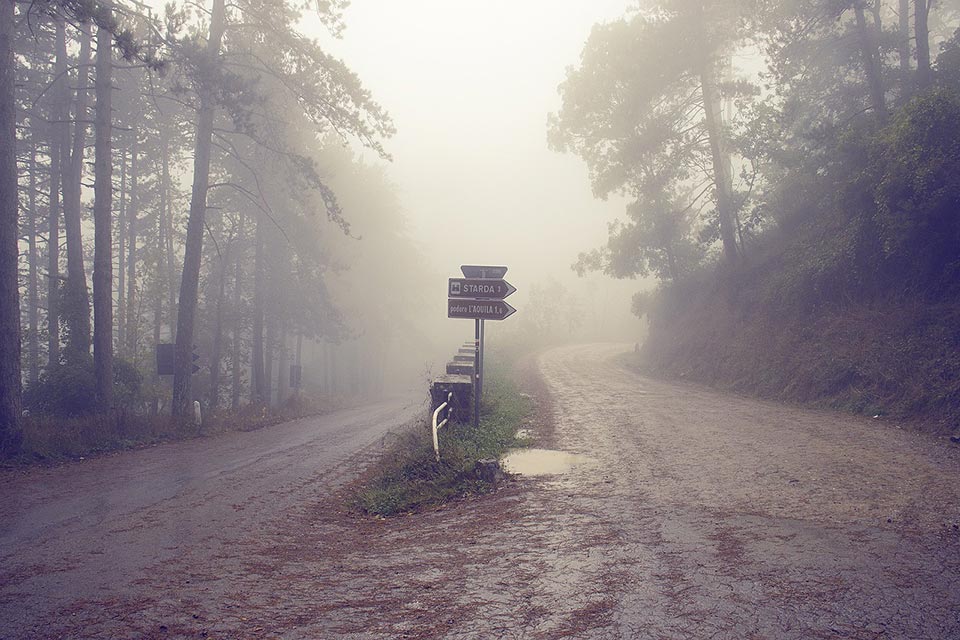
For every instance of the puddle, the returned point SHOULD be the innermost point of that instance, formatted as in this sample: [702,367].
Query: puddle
[540,462]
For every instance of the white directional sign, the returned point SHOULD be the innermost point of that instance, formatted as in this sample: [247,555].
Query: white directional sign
[479,288]
[479,309]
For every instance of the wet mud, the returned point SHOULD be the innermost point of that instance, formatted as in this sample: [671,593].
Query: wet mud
[701,515]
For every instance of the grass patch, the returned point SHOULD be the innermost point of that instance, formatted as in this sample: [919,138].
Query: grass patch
[408,477]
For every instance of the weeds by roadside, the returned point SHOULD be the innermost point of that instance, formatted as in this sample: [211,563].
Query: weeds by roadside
[53,439]
[408,477]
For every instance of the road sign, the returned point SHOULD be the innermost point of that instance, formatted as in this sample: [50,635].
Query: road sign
[461,368]
[194,359]
[479,309]
[482,271]
[165,358]
[479,288]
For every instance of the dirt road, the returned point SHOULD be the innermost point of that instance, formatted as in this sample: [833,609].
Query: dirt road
[697,515]
[78,539]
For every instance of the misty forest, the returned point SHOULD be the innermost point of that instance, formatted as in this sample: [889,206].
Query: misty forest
[733,229]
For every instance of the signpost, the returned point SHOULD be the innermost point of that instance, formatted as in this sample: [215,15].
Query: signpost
[479,296]
[165,359]
[482,271]
[479,309]
[479,289]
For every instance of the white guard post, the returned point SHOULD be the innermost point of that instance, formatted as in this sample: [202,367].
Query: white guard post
[437,427]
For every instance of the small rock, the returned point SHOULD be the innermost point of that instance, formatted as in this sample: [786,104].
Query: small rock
[954,438]
[489,470]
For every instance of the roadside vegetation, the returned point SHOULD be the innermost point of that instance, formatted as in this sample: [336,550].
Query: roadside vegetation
[250,272]
[408,478]
[54,439]
[855,302]
[801,220]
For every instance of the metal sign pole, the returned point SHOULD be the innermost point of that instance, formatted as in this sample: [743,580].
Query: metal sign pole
[483,331]
[478,296]
[476,375]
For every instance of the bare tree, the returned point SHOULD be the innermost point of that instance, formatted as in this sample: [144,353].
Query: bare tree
[133,207]
[190,280]
[76,307]
[103,222]
[33,298]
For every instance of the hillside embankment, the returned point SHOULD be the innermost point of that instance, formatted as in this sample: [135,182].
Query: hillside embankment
[851,297]
[895,357]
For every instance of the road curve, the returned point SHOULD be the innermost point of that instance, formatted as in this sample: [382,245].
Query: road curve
[697,515]
[90,531]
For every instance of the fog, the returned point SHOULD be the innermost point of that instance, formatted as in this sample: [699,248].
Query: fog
[469,88]
[233,402]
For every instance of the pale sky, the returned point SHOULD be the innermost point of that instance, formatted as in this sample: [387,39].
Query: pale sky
[469,86]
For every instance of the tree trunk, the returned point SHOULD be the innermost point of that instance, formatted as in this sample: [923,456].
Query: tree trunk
[33,294]
[76,298]
[903,47]
[9,249]
[166,249]
[672,264]
[269,350]
[299,361]
[158,299]
[876,12]
[329,370]
[258,392]
[283,366]
[871,60]
[60,135]
[190,281]
[133,211]
[922,31]
[121,328]
[237,293]
[53,254]
[721,177]
[103,225]
[217,346]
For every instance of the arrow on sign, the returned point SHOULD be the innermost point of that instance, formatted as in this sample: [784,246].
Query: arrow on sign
[479,309]
[479,288]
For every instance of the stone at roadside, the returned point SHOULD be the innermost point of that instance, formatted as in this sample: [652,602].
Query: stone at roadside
[489,471]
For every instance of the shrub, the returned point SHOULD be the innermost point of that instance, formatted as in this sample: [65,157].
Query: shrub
[69,389]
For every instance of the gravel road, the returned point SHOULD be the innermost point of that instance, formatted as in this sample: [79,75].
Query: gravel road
[696,515]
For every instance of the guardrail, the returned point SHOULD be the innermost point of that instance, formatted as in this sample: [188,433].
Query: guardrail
[437,427]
